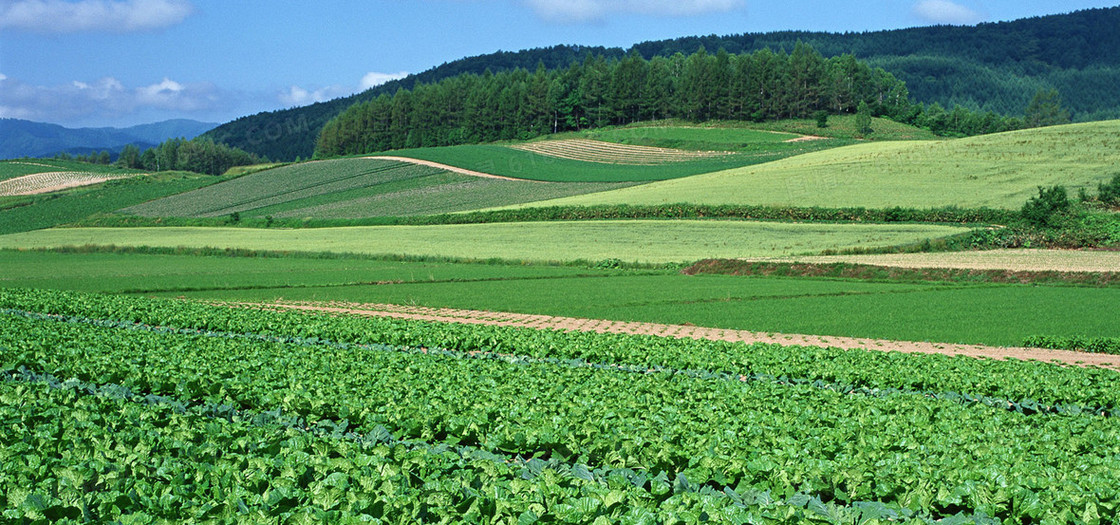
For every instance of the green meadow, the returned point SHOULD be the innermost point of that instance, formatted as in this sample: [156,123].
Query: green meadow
[974,313]
[629,241]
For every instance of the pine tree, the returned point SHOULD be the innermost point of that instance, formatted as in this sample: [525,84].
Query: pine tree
[1046,109]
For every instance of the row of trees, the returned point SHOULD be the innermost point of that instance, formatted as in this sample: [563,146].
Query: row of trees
[102,157]
[200,155]
[519,104]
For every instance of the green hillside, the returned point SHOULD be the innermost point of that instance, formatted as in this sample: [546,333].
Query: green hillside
[748,144]
[1001,170]
[995,66]
[354,188]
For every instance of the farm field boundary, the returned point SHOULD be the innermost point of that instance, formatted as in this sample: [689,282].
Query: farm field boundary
[1018,260]
[545,322]
[447,167]
[843,268]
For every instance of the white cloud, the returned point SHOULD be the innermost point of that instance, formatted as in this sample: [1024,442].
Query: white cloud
[298,96]
[374,79]
[3,77]
[107,99]
[946,12]
[574,11]
[117,16]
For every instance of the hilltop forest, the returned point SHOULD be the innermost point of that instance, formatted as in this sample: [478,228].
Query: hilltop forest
[996,67]
[758,86]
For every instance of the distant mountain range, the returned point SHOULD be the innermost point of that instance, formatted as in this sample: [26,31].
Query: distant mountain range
[24,138]
[992,66]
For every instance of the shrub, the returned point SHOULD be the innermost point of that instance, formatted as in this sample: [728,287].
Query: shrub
[1044,209]
[822,118]
[1110,193]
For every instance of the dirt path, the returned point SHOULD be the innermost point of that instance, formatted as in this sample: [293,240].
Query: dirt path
[806,138]
[453,169]
[448,315]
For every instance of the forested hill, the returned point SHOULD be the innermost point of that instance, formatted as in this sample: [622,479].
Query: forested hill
[286,134]
[991,67]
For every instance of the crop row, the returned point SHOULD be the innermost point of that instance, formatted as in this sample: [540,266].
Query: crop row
[279,185]
[906,451]
[41,182]
[1043,383]
[100,452]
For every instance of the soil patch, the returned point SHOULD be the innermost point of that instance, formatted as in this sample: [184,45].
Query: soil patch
[806,138]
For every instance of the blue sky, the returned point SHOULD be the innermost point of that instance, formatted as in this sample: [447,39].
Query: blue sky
[123,62]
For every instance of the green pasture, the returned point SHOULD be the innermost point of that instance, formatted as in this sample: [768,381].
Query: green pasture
[844,127]
[694,138]
[994,314]
[355,188]
[999,171]
[151,273]
[1000,315]
[518,164]
[750,136]
[630,241]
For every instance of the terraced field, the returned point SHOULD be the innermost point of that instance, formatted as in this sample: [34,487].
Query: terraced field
[610,153]
[1000,171]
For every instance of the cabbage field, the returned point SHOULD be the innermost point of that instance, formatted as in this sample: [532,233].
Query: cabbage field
[121,409]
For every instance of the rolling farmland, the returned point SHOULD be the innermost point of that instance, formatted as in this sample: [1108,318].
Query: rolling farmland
[220,402]
[354,188]
[999,171]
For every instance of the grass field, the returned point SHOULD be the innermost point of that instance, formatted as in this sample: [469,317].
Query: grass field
[1000,315]
[749,136]
[630,241]
[1000,171]
[942,312]
[147,273]
[354,188]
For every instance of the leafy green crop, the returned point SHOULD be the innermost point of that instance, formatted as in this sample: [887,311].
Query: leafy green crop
[606,408]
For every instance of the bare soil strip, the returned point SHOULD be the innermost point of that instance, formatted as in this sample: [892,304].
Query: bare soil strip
[446,167]
[544,322]
[588,150]
[805,138]
[1015,260]
[38,183]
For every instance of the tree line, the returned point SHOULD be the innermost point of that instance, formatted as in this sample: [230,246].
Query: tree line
[519,104]
[200,155]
